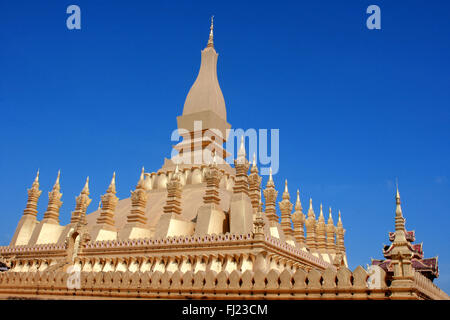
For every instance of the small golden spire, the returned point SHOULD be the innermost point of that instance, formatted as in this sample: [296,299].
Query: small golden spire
[37,177]
[211,33]
[285,186]
[99,205]
[339,220]
[86,187]
[254,159]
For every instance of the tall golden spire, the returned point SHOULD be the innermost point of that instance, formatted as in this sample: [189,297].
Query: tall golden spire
[211,34]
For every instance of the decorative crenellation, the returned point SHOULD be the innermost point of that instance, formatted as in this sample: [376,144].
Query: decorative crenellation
[201,283]
[82,202]
[54,202]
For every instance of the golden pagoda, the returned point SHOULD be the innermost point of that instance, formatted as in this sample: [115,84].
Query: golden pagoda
[196,228]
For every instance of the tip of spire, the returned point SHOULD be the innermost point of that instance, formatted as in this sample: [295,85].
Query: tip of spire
[321,210]
[112,185]
[37,176]
[86,186]
[286,186]
[57,177]
[211,33]
[254,159]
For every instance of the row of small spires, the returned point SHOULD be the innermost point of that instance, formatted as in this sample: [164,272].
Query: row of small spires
[316,233]
[112,189]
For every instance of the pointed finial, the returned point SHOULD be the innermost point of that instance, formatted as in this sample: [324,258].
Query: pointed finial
[321,211]
[57,178]
[86,187]
[211,33]
[298,204]
[56,186]
[112,185]
[285,186]
[254,159]
[99,205]
[37,177]
[339,220]
[310,204]
[330,218]
[270,174]
[397,196]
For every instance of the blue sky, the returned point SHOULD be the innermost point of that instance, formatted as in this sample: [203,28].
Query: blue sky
[356,108]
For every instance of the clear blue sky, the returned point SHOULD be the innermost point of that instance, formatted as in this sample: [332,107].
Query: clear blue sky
[356,108]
